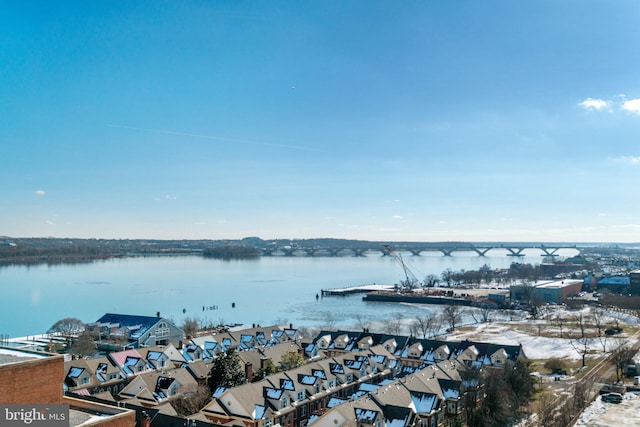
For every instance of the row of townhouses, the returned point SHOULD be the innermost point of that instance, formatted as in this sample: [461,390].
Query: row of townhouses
[349,378]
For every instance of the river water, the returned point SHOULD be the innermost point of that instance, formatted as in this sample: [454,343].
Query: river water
[261,291]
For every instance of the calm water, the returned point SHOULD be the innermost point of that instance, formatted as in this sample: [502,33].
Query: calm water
[264,291]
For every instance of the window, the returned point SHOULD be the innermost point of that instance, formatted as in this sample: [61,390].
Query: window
[303,411]
[84,380]
[266,422]
[331,383]
[284,403]
[162,330]
[349,378]
[300,395]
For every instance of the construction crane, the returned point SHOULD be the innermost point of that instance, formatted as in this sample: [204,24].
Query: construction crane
[411,281]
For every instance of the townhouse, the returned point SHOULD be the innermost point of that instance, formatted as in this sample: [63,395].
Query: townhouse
[430,397]
[158,387]
[415,352]
[292,397]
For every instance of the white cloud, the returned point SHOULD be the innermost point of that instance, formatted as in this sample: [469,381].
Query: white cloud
[632,106]
[630,160]
[49,222]
[397,217]
[594,104]
[39,192]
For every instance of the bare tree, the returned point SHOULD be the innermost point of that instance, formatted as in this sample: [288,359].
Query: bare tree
[363,323]
[432,280]
[485,313]
[529,296]
[598,319]
[580,323]
[427,326]
[559,322]
[330,320]
[581,346]
[394,325]
[452,315]
[190,326]
[84,345]
[621,355]
[603,342]
[68,328]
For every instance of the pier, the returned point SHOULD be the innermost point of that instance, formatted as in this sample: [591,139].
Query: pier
[362,289]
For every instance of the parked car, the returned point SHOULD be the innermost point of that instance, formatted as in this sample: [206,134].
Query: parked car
[612,397]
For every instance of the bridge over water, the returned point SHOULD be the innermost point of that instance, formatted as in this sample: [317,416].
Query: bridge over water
[417,249]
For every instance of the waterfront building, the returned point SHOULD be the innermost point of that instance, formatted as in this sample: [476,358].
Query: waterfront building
[119,331]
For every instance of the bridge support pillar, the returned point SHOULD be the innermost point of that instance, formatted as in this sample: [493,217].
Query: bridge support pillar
[515,252]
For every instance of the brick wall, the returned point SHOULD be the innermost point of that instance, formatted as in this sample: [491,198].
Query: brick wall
[35,381]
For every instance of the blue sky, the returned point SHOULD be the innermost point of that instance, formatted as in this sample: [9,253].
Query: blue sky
[374,120]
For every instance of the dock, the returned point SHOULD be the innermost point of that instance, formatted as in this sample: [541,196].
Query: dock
[362,289]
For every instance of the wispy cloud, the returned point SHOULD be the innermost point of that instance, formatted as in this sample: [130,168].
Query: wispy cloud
[632,106]
[629,160]
[594,104]
[215,138]
[39,192]
[166,197]
[397,217]
[49,222]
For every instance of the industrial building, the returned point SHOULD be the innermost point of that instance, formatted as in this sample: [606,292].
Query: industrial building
[546,291]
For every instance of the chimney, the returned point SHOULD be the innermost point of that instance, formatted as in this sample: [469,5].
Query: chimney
[248,371]
[145,420]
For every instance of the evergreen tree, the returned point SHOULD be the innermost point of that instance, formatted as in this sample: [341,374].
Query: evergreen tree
[226,371]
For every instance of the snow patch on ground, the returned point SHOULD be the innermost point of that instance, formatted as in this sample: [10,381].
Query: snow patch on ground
[603,414]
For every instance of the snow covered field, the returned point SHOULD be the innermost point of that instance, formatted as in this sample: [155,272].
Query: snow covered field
[542,347]
[603,414]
